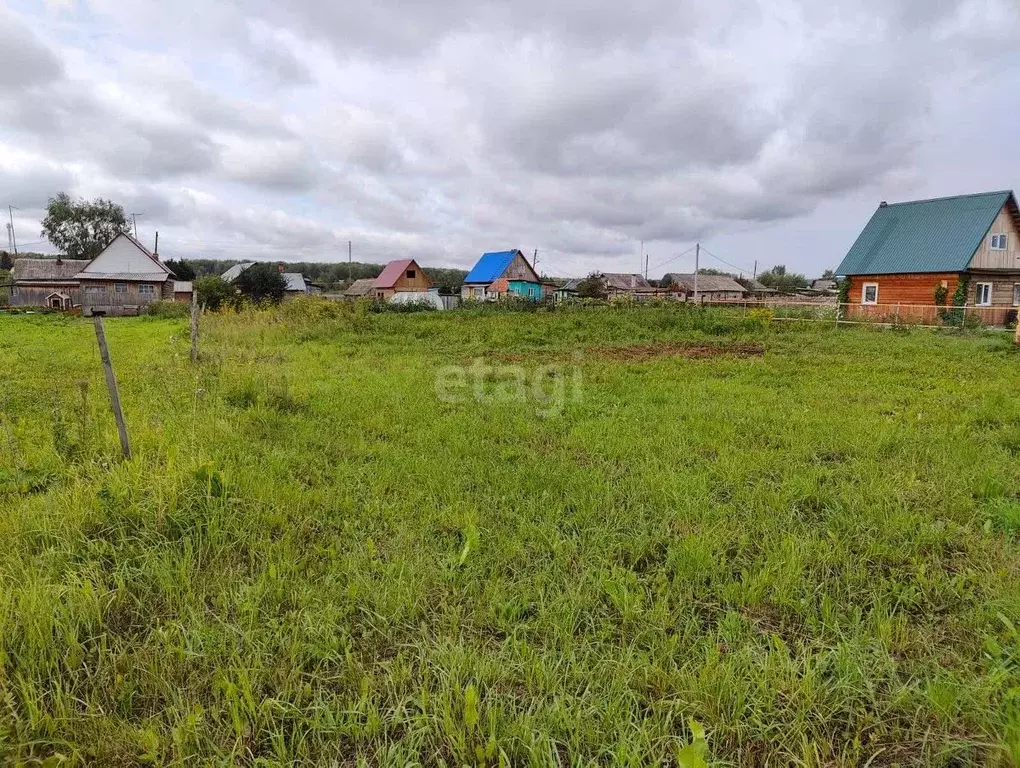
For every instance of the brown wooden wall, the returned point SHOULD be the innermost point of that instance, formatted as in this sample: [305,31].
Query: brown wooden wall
[904,289]
[419,283]
[906,297]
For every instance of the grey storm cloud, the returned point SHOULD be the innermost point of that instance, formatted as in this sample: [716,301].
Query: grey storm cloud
[25,62]
[444,128]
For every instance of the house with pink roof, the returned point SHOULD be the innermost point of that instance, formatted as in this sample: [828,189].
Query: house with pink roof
[401,276]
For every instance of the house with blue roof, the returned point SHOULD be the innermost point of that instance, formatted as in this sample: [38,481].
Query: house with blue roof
[914,256]
[502,273]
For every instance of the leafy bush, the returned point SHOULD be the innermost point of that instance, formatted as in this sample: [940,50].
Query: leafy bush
[262,283]
[214,292]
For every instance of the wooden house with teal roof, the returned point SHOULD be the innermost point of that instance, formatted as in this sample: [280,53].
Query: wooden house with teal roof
[914,256]
[502,273]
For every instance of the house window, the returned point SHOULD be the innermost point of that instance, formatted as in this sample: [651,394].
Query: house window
[999,242]
[410,274]
[1016,294]
[94,289]
[984,295]
[145,289]
[869,294]
[120,287]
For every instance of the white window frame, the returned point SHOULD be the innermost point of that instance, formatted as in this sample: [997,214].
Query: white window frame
[1016,294]
[999,242]
[146,289]
[864,293]
[120,287]
[977,295]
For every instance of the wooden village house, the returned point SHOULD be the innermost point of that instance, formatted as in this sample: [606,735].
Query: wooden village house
[122,280]
[51,283]
[709,287]
[502,273]
[912,254]
[401,276]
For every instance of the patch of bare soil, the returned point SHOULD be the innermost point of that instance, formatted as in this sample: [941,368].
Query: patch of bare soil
[662,349]
[636,353]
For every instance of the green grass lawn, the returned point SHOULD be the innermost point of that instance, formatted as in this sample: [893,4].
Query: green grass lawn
[313,558]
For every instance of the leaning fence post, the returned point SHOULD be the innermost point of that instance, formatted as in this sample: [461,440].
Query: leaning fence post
[111,385]
[194,325]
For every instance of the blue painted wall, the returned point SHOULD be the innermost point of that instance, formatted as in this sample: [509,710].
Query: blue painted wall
[526,289]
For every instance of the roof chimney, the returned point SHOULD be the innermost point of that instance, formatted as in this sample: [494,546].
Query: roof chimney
[883,204]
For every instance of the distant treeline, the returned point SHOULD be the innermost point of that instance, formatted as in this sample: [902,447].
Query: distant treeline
[331,276]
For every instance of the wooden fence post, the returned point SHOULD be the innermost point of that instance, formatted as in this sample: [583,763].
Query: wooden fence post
[111,385]
[194,325]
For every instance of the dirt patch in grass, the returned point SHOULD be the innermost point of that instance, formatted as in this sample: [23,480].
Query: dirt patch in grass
[665,349]
[639,353]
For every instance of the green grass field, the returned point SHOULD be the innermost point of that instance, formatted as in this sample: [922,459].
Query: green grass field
[315,559]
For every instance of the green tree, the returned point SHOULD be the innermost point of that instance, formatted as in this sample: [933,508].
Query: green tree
[828,275]
[182,270]
[262,282]
[6,261]
[781,280]
[214,292]
[592,287]
[82,228]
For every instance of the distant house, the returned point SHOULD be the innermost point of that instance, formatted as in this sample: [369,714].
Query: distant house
[755,288]
[709,287]
[296,283]
[502,273]
[401,276]
[360,289]
[568,290]
[183,290]
[46,283]
[823,285]
[623,284]
[235,271]
[123,279]
[909,251]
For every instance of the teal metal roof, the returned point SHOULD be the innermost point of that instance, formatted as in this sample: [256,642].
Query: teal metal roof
[924,236]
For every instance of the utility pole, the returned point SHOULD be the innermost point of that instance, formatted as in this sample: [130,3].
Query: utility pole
[646,266]
[755,276]
[350,263]
[697,255]
[14,237]
[155,248]
[534,262]
[134,222]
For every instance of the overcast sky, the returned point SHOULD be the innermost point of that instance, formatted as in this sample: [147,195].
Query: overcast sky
[769,130]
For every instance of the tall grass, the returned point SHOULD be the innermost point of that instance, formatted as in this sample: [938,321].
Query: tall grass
[312,559]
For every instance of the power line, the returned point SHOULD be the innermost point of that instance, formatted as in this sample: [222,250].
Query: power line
[672,258]
[740,269]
